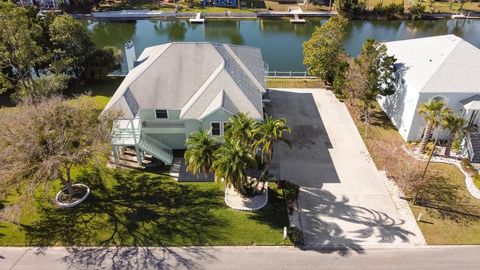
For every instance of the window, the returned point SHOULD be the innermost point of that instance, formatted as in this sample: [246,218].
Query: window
[215,128]
[438,99]
[163,114]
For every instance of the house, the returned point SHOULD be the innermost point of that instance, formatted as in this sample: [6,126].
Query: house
[179,88]
[43,4]
[443,68]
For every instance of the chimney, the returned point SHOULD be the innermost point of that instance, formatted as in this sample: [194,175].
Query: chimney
[130,55]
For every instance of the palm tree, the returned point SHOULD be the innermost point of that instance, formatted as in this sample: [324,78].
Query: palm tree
[270,132]
[455,125]
[231,162]
[199,156]
[432,113]
[241,128]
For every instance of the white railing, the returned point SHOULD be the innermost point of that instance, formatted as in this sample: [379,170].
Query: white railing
[288,74]
[156,143]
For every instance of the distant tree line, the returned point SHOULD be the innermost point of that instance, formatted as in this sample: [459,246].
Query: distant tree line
[356,9]
[43,55]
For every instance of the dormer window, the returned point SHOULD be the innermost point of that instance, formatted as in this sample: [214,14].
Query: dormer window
[161,114]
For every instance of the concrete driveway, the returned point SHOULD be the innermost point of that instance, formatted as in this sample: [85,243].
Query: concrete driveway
[344,201]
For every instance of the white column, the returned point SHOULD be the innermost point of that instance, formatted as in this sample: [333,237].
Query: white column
[116,154]
[139,156]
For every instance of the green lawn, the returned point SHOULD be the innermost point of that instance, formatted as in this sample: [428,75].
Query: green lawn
[134,208]
[450,214]
[130,207]
[447,7]
[294,83]
[183,7]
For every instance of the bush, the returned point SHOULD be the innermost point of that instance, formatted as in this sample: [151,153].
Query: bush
[417,11]
[468,167]
[295,235]
[388,11]
[290,190]
[476,180]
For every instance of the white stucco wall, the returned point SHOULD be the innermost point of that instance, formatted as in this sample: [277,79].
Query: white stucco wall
[400,108]
[452,101]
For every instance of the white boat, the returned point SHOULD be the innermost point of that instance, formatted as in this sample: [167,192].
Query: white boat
[198,18]
[458,16]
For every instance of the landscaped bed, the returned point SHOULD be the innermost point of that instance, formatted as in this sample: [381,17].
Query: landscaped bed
[450,214]
[129,207]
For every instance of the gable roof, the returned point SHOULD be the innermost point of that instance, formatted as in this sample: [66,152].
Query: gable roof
[190,76]
[438,64]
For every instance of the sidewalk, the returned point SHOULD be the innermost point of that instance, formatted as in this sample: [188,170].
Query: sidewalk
[222,258]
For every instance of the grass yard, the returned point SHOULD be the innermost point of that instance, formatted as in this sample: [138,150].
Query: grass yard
[294,83]
[160,5]
[134,208]
[450,214]
[130,207]
[446,7]
[101,91]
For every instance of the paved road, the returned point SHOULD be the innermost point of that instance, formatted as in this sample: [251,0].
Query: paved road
[264,258]
[344,200]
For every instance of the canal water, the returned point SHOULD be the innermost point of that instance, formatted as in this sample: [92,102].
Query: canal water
[280,41]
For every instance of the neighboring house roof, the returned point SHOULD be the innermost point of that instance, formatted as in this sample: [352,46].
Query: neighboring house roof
[196,78]
[471,103]
[438,64]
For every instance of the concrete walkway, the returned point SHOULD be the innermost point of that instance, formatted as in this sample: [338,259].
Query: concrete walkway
[344,201]
[222,258]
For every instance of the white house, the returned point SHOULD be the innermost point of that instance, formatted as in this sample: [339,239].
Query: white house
[442,68]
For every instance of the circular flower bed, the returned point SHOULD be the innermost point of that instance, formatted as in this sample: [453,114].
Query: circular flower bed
[66,200]
[235,200]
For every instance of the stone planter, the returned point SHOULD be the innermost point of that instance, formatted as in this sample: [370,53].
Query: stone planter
[75,203]
[234,200]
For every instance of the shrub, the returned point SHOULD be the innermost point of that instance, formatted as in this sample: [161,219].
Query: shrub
[295,235]
[417,11]
[388,11]
[290,190]
[468,167]
[476,180]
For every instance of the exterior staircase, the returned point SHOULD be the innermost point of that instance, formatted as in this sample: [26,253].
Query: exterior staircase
[155,148]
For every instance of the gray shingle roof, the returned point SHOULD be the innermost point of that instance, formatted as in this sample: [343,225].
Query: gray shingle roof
[189,76]
[438,64]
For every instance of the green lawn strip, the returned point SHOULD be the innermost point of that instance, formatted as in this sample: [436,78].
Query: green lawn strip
[450,214]
[129,207]
[294,83]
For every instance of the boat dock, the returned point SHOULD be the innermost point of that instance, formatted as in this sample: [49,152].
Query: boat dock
[129,15]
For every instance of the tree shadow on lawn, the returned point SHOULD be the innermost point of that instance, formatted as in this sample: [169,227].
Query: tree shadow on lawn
[135,209]
[441,194]
[274,213]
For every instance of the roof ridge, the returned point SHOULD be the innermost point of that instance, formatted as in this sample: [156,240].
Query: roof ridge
[145,67]
[458,41]
[245,95]
[244,68]
[188,105]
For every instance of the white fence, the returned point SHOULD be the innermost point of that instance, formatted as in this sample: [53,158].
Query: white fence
[288,74]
